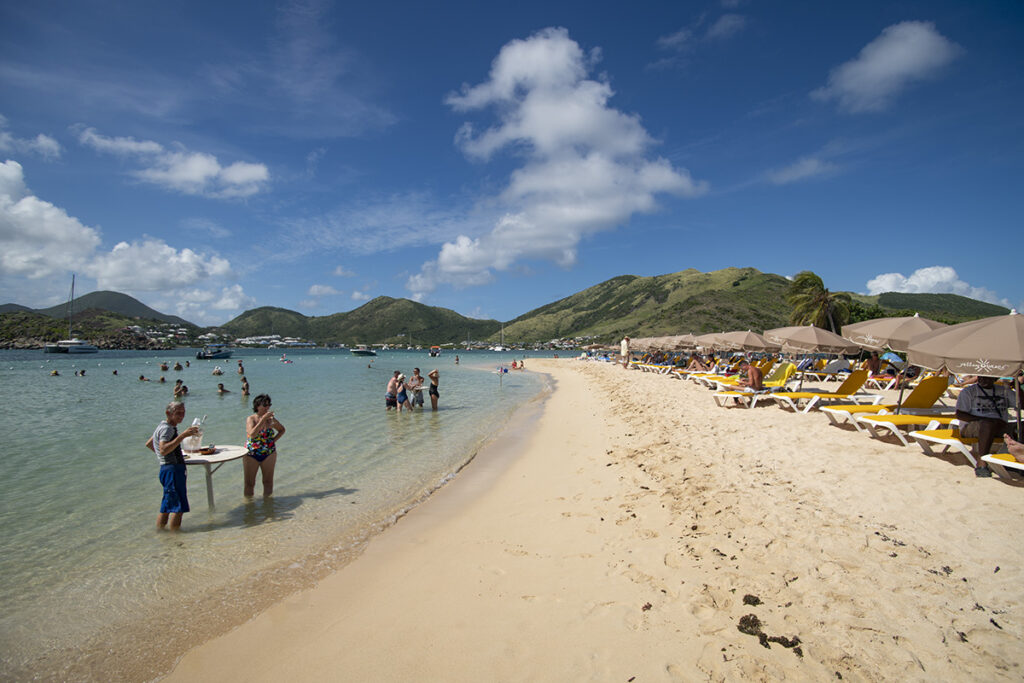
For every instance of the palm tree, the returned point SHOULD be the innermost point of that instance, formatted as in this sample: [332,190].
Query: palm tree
[812,303]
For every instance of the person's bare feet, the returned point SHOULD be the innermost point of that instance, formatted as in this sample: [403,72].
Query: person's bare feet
[1016,448]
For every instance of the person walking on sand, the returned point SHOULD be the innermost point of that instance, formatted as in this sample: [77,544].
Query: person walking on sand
[624,352]
[166,443]
[262,432]
[434,394]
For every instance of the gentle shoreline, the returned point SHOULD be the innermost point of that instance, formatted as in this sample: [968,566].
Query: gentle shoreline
[229,565]
[625,538]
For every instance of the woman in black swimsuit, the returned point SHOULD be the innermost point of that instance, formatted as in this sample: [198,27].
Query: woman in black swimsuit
[433,388]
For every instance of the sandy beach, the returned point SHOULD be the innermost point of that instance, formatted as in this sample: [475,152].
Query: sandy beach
[631,527]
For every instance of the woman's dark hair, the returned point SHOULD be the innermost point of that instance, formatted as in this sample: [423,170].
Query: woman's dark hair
[261,400]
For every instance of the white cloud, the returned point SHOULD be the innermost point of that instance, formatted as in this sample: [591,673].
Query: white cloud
[322,290]
[207,306]
[360,296]
[342,271]
[379,223]
[726,26]
[233,298]
[933,279]
[801,169]
[41,245]
[689,38]
[195,173]
[585,169]
[38,239]
[42,145]
[153,265]
[205,225]
[905,52]
[676,41]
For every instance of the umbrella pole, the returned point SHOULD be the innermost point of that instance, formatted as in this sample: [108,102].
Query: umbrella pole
[899,380]
[1016,380]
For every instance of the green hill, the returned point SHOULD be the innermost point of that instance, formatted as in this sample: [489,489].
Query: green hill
[115,302]
[384,319]
[949,308]
[677,303]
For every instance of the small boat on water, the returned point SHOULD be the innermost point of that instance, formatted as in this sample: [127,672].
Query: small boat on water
[214,352]
[435,351]
[363,351]
[72,344]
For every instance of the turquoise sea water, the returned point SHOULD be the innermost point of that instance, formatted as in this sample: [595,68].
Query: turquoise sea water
[80,559]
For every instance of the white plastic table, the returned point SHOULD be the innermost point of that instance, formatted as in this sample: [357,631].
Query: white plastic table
[211,463]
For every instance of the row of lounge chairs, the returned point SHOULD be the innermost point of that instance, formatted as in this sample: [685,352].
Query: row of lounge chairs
[921,418]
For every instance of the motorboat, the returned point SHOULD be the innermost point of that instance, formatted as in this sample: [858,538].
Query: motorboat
[72,344]
[214,352]
[435,351]
[363,351]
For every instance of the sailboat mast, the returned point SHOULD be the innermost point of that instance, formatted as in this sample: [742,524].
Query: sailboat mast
[71,304]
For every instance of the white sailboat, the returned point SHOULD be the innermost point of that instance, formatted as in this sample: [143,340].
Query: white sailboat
[500,346]
[71,344]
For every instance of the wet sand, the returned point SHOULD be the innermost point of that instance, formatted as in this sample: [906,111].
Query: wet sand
[635,529]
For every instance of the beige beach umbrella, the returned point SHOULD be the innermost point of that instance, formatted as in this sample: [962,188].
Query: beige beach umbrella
[745,340]
[683,342]
[810,339]
[893,333]
[664,343]
[991,347]
[643,344]
[708,341]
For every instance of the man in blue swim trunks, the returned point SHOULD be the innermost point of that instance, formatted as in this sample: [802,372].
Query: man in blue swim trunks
[166,443]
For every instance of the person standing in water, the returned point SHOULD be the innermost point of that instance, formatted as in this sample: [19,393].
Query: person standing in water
[415,385]
[245,386]
[391,392]
[166,443]
[262,432]
[434,395]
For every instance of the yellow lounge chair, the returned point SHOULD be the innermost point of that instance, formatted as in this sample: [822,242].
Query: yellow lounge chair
[775,378]
[950,440]
[921,400]
[892,424]
[779,378]
[1001,461]
[847,391]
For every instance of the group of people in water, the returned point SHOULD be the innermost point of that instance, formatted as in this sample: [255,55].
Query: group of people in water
[404,394]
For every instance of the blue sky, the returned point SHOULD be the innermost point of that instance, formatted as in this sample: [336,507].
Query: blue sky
[208,158]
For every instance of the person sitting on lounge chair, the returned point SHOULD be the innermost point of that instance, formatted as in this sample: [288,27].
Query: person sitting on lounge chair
[752,376]
[873,364]
[696,366]
[983,409]
[1016,448]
